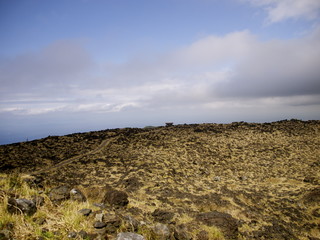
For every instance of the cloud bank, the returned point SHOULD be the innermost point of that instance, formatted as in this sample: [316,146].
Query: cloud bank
[214,72]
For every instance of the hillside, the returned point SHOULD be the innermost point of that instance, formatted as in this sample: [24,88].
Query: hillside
[244,180]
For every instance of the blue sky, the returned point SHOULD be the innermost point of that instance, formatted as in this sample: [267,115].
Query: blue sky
[79,65]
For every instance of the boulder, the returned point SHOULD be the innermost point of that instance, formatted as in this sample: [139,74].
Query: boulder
[116,198]
[112,223]
[85,211]
[129,236]
[59,194]
[99,225]
[162,215]
[181,233]
[77,195]
[224,221]
[161,231]
[22,205]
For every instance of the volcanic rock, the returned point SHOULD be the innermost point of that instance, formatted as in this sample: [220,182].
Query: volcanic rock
[77,195]
[129,236]
[85,211]
[162,231]
[116,198]
[59,194]
[162,216]
[181,233]
[25,206]
[225,222]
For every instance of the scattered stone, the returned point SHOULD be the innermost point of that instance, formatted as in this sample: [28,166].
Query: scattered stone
[99,225]
[83,234]
[313,197]
[85,211]
[99,217]
[162,216]
[5,234]
[217,179]
[21,206]
[35,181]
[132,184]
[38,200]
[225,222]
[116,198]
[112,223]
[161,231]
[131,223]
[99,205]
[72,234]
[243,178]
[59,194]
[129,236]
[181,233]
[77,195]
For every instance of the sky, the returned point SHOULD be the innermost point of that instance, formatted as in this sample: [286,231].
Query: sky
[81,65]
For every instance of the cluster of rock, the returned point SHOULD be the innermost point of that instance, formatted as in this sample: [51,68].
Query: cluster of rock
[118,223]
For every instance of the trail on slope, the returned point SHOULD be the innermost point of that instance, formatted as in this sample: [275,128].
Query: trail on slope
[102,145]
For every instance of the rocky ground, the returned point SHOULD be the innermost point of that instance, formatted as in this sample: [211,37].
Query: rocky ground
[198,181]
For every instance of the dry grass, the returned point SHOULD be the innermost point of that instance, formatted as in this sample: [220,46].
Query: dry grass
[59,220]
[260,174]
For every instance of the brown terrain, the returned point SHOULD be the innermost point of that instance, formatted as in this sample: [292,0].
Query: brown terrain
[248,180]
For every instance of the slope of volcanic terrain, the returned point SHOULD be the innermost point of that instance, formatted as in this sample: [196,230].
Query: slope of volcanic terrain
[246,180]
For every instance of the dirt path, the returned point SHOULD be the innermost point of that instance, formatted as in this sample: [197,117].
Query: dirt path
[103,144]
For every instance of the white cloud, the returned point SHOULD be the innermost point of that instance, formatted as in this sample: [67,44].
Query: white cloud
[280,10]
[211,73]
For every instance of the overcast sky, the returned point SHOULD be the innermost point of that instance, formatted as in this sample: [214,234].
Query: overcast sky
[79,65]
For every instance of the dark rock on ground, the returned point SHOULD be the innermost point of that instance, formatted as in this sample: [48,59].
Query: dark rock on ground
[225,222]
[276,231]
[72,234]
[116,198]
[59,194]
[129,236]
[25,206]
[83,234]
[112,223]
[181,233]
[132,184]
[162,216]
[99,225]
[313,197]
[77,195]
[85,211]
